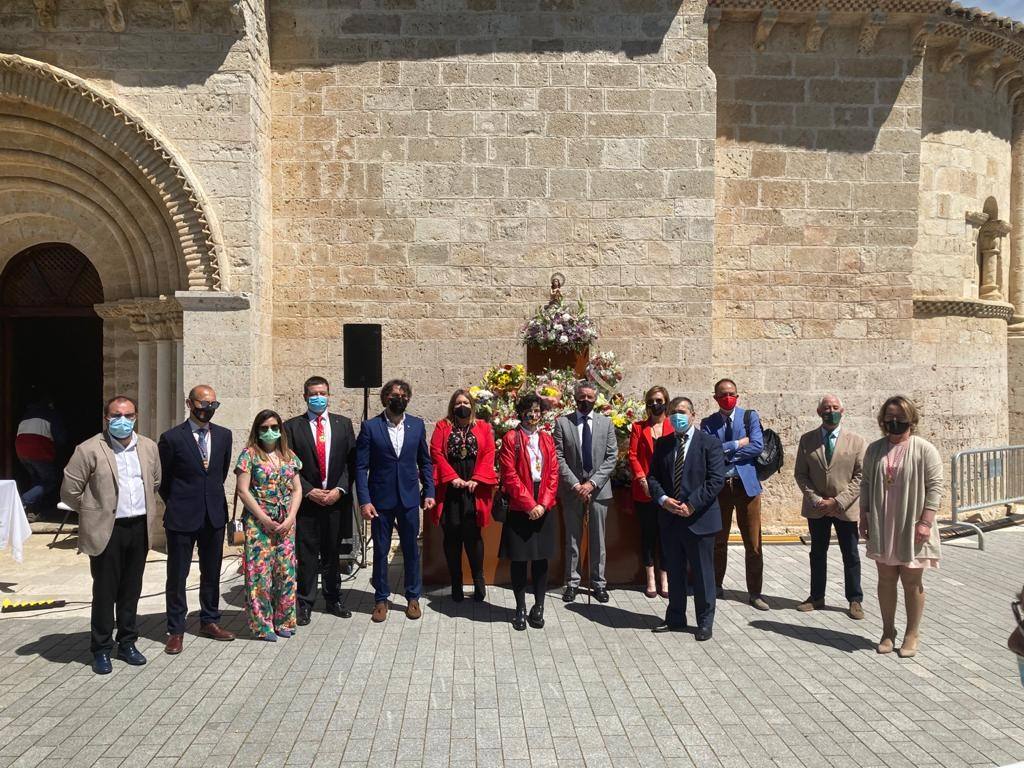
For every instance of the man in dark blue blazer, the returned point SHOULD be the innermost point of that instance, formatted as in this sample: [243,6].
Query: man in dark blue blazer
[687,473]
[392,462]
[195,458]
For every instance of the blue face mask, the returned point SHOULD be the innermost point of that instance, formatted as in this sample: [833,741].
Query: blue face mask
[317,403]
[120,427]
[680,422]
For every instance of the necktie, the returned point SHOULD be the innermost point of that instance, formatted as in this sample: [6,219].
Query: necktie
[677,469]
[321,449]
[588,446]
[728,429]
[830,446]
[204,451]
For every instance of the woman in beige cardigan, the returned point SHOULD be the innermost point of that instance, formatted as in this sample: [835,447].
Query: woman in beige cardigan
[899,496]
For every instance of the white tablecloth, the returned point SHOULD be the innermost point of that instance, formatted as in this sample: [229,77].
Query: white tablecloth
[14,527]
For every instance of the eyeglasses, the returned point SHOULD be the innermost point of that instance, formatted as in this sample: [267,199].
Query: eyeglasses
[1015,605]
[655,402]
[213,405]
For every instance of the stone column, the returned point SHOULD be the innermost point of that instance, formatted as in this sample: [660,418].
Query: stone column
[165,377]
[147,400]
[178,397]
[1015,294]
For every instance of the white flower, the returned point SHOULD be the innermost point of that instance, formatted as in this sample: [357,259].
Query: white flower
[563,339]
[558,326]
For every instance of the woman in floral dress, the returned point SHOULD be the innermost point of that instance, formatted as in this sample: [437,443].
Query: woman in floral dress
[268,485]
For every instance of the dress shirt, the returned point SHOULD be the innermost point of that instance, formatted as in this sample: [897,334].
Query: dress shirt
[536,457]
[327,441]
[730,447]
[825,434]
[397,434]
[196,426]
[131,492]
[580,418]
[675,453]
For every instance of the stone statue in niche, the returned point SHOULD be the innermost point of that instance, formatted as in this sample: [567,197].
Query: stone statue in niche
[991,231]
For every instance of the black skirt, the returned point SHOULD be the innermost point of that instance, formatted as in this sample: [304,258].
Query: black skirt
[459,503]
[525,539]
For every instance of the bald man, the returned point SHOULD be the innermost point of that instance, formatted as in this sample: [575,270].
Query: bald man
[195,457]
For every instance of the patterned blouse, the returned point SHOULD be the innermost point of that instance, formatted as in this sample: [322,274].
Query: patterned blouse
[270,485]
[462,444]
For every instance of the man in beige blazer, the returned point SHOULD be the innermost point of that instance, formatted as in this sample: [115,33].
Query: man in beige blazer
[828,469]
[111,481]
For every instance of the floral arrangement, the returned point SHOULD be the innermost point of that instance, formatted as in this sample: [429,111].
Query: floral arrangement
[557,326]
[605,371]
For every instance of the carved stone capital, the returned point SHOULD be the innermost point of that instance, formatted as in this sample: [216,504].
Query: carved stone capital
[115,18]
[815,29]
[182,14]
[150,319]
[713,17]
[46,12]
[986,63]
[953,56]
[765,23]
[922,35]
[869,30]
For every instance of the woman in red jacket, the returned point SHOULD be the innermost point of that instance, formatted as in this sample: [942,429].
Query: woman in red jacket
[529,475]
[642,438]
[462,449]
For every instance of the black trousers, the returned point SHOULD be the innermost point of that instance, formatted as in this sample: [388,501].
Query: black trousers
[317,537]
[517,572]
[464,535]
[650,536]
[117,584]
[180,546]
[846,533]
[686,550]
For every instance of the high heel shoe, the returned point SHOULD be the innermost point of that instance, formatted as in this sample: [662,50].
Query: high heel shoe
[650,592]
[909,648]
[887,643]
[519,620]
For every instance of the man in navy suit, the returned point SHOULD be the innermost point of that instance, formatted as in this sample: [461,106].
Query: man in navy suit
[742,441]
[194,460]
[687,472]
[392,460]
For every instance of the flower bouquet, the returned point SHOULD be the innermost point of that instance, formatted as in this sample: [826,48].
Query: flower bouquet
[604,371]
[558,326]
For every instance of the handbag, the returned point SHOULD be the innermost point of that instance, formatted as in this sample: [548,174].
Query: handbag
[236,533]
[501,506]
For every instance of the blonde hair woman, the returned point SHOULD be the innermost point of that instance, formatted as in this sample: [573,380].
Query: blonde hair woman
[899,497]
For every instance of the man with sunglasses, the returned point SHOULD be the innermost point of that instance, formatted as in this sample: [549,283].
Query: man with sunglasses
[195,458]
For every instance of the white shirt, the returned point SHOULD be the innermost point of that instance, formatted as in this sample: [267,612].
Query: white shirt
[397,434]
[131,491]
[196,426]
[327,439]
[675,453]
[536,457]
[580,419]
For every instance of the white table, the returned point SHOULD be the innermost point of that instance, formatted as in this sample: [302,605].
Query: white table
[14,527]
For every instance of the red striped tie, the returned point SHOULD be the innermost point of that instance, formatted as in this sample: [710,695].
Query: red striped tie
[321,449]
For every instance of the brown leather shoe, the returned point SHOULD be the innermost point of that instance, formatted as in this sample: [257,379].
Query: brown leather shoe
[856,611]
[380,611]
[173,646]
[214,632]
[810,605]
[413,611]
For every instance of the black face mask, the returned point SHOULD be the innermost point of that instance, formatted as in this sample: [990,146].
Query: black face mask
[894,427]
[203,415]
[397,404]
[656,409]
[584,406]
[462,411]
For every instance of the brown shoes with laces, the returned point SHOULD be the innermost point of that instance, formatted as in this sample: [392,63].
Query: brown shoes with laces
[413,611]
[214,632]
[173,646]
[380,611]
[809,605]
[856,611]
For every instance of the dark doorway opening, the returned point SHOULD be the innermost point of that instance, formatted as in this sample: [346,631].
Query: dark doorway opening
[51,340]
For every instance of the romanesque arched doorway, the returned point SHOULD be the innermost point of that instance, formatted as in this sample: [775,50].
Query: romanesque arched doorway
[51,341]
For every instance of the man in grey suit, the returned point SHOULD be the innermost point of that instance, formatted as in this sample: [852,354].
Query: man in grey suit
[587,450]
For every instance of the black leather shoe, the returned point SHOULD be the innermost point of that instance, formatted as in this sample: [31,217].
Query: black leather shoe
[663,627]
[479,590]
[336,609]
[458,593]
[569,595]
[519,620]
[129,654]
[601,595]
[703,634]
[101,664]
[303,616]
[537,617]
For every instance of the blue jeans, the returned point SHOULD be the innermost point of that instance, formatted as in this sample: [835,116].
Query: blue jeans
[43,476]
[408,523]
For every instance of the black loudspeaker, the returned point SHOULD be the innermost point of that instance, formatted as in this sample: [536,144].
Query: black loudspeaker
[362,351]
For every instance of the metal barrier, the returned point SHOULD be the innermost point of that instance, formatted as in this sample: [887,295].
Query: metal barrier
[985,477]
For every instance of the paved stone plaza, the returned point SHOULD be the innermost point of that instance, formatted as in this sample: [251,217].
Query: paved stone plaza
[594,688]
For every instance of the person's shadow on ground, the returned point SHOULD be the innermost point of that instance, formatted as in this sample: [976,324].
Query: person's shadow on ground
[831,638]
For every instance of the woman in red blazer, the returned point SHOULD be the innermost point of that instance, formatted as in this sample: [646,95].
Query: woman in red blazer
[529,475]
[642,438]
[462,449]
